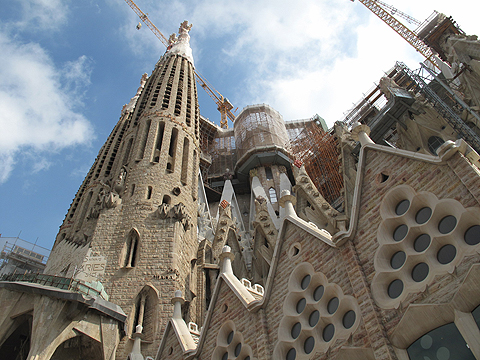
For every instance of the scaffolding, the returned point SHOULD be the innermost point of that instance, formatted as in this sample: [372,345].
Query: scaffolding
[317,149]
[259,128]
[22,256]
[218,153]
[440,93]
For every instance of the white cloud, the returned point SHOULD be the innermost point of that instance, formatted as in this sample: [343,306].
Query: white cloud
[38,102]
[43,14]
[301,57]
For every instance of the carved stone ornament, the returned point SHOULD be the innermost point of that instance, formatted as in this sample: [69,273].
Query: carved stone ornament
[177,212]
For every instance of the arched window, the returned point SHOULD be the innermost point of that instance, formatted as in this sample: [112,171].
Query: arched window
[127,151]
[130,249]
[268,173]
[273,195]
[185,161]
[434,142]
[144,313]
[444,342]
[172,150]
[158,142]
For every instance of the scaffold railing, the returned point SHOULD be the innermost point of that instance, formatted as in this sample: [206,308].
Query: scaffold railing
[59,282]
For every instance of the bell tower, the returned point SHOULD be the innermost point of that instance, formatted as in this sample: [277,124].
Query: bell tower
[136,211]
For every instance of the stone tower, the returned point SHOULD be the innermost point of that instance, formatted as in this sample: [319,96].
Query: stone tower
[129,226]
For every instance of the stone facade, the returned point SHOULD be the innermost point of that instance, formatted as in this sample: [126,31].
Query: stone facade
[256,263]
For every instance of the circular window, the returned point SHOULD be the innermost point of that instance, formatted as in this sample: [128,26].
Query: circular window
[296,330]
[238,348]
[395,288]
[305,281]
[225,356]
[301,305]
[420,272]
[294,250]
[309,344]
[402,207]
[398,259]
[446,254]
[400,232]
[230,337]
[313,319]
[472,235]
[349,319]
[423,215]
[328,332]
[447,224]
[291,354]
[333,305]
[421,243]
[318,293]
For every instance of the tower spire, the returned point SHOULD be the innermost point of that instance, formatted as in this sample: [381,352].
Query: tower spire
[181,45]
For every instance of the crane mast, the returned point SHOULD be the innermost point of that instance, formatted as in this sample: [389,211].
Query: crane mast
[407,34]
[223,104]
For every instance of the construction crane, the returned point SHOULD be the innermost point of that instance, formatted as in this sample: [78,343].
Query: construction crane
[378,9]
[223,104]
[394,11]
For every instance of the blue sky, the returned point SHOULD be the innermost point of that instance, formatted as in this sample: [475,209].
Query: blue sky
[67,67]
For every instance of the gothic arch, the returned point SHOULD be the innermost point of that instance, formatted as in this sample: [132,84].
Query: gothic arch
[145,312]
[129,255]
[17,344]
[78,348]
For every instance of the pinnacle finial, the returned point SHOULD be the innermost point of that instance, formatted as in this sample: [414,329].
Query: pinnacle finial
[181,45]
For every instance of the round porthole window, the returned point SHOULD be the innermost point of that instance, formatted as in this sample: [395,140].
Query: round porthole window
[318,293]
[309,344]
[447,224]
[349,319]
[472,235]
[446,254]
[398,259]
[422,242]
[296,329]
[328,332]
[420,272]
[400,232]
[292,354]
[306,282]
[333,305]
[230,337]
[301,305]
[238,348]
[395,288]
[402,207]
[423,215]
[294,250]
[313,318]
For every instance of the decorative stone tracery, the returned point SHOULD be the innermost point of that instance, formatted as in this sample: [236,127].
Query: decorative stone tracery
[316,314]
[420,237]
[231,344]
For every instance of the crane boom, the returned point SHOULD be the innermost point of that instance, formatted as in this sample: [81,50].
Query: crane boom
[147,22]
[395,11]
[223,104]
[399,28]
